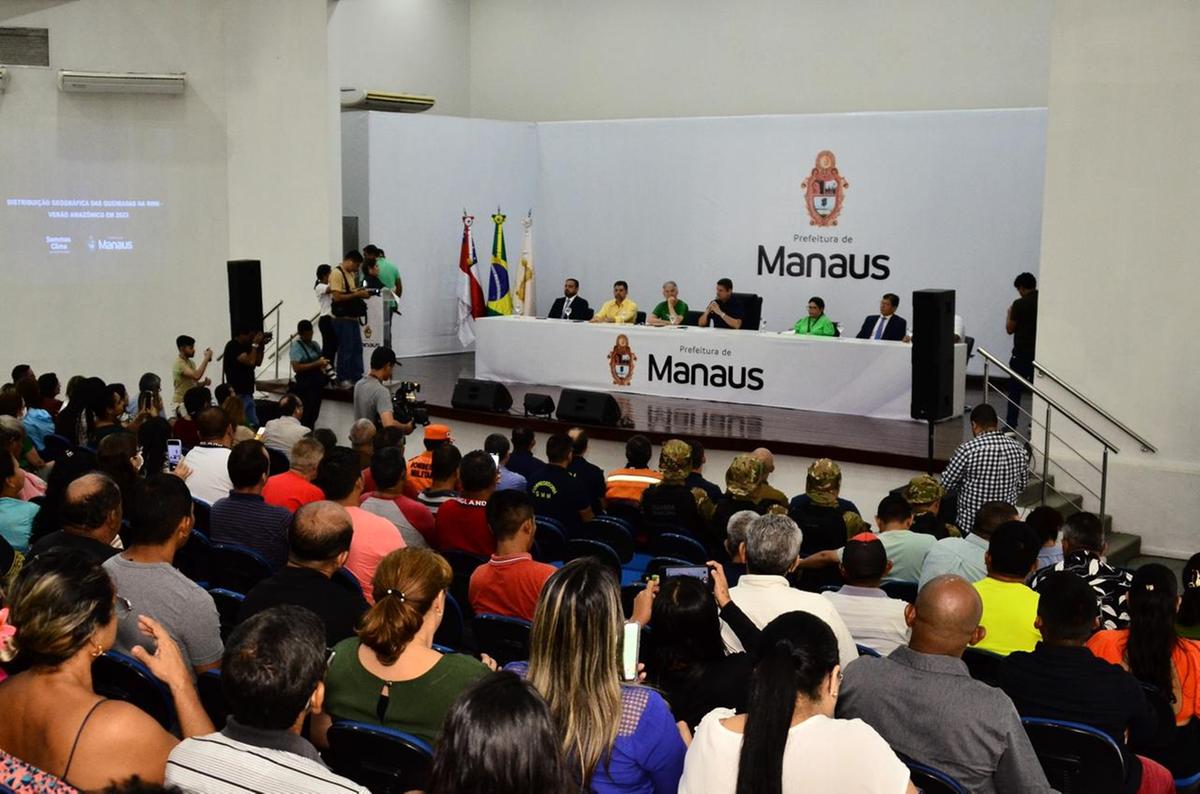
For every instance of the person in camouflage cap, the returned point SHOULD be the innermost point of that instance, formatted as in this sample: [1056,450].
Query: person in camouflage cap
[823,482]
[744,475]
[675,461]
[925,494]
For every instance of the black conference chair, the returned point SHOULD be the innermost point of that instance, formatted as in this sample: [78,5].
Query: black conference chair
[229,604]
[629,512]
[208,686]
[194,560]
[463,564]
[931,781]
[616,536]
[866,650]
[549,540]
[237,568]
[639,318]
[384,760]
[450,632]
[503,638]
[1077,757]
[692,317]
[905,591]
[120,677]
[343,577]
[201,515]
[753,304]
[582,547]
[681,547]
[983,665]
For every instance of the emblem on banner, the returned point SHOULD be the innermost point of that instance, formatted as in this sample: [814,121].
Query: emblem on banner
[367,332]
[620,361]
[824,190]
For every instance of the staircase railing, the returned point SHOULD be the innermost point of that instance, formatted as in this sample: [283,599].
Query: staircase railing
[1090,403]
[1052,407]
[274,310]
[282,345]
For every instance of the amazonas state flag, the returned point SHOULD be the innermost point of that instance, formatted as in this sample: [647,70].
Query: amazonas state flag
[499,298]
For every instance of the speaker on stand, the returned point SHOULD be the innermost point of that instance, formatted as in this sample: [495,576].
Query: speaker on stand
[245,295]
[932,358]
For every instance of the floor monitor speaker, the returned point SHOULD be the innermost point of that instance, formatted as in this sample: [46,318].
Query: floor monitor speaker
[588,407]
[481,395]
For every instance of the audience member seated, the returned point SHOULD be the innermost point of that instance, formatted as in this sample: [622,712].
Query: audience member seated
[11,562]
[271,677]
[145,575]
[696,478]
[1187,623]
[420,467]
[990,466]
[73,465]
[244,517]
[394,437]
[390,674]
[67,609]
[496,444]
[1084,546]
[119,456]
[588,473]
[826,520]
[318,545]
[91,516]
[741,478]
[14,441]
[620,737]
[905,549]
[235,408]
[16,515]
[294,488]
[965,556]
[208,461]
[75,420]
[763,593]
[374,537]
[629,483]
[362,441]
[498,738]
[1046,522]
[522,459]
[49,387]
[925,494]
[281,434]
[1158,657]
[511,581]
[461,522]
[765,492]
[672,501]
[444,484]
[1061,680]
[687,661]
[413,519]
[152,437]
[789,740]
[874,620]
[186,427]
[735,544]
[924,703]
[1009,606]
[556,492]
[37,420]
[107,407]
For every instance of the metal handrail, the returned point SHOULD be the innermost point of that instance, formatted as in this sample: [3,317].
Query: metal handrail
[285,343]
[1048,400]
[1146,445]
[270,311]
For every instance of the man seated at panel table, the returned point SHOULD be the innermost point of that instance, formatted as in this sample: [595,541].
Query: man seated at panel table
[672,309]
[886,325]
[570,306]
[725,311]
[618,310]
[816,323]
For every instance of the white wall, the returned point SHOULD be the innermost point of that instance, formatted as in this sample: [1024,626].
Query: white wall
[1119,277]
[579,59]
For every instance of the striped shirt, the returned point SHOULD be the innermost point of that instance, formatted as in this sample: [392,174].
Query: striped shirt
[241,758]
[247,519]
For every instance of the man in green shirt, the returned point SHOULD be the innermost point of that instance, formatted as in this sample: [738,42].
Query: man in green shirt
[816,323]
[672,310]
[389,274]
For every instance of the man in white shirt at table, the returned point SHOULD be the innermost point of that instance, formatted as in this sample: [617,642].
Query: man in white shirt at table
[620,309]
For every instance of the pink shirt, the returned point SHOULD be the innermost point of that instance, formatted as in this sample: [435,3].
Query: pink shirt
[374,538]
[34,486]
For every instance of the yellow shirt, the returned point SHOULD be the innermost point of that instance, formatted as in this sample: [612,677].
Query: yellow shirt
[1009,609]
[625,313]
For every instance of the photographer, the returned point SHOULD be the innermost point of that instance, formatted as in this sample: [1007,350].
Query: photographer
[311,370]
[372,399]
[243,354]
[348,307]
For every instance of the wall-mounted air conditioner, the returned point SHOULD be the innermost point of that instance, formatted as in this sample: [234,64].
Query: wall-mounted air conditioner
[120,82]
[357,99]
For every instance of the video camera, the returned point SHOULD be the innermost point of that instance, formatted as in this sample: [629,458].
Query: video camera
[405,405]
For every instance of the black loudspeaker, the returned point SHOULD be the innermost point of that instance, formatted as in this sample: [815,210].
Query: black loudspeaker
[933,354]
[588,407]
[245,295]
[481,395]
[539,404]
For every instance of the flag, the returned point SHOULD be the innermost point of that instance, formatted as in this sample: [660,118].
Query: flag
[470,294]
[499,299]
[524,300]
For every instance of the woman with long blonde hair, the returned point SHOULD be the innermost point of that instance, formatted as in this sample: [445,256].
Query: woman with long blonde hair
[616,737]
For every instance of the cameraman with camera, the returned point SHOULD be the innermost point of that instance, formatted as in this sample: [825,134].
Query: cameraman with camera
[243,354]
[372,399]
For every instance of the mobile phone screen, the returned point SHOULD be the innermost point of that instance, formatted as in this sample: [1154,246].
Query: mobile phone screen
[174,452]
[630,642]
[698,571]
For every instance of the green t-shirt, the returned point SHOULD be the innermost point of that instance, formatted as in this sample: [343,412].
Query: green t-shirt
[822,326]
[388,273]
[662,313]
[418,706]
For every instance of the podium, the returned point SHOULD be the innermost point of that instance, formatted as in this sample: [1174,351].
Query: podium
[377,327]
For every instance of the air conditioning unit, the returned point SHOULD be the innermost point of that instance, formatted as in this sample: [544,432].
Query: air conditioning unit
[3,79]
[120,82]
[356,99]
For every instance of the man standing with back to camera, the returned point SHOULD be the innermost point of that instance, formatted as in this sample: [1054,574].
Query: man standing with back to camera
[1021,325]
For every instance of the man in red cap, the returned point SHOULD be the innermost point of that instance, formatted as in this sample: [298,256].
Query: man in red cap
[874,620]
[420,468]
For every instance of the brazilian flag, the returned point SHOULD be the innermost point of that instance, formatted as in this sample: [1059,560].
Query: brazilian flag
[499,298]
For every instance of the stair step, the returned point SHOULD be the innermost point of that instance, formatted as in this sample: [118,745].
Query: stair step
[1123,547]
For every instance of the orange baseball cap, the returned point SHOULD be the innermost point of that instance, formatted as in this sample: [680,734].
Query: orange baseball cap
[437,433]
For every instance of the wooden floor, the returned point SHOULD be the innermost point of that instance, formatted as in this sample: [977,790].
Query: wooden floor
[718,425]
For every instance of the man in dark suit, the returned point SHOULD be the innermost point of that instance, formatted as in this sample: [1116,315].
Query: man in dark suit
[887,324]
[570,306]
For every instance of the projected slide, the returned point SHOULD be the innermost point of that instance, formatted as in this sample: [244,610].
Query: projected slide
[83,226]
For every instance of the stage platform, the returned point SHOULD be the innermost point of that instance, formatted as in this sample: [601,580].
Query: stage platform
[718,425]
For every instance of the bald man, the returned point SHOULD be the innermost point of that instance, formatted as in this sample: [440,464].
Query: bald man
[765,492]
[318,545]
[91,515]
[925,704]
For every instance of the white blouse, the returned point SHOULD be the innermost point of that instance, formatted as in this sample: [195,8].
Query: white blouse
[324,299]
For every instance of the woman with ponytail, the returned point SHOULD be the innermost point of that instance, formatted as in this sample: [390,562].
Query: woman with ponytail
[789,740]
[390,674]
[1154,652]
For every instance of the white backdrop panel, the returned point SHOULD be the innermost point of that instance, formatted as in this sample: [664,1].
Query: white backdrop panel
[953,199]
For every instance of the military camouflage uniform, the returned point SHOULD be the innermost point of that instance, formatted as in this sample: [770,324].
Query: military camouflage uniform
[922,491]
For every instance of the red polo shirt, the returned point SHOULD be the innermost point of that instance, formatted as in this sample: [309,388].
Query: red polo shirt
[290,490]
[508,585]
[462,524]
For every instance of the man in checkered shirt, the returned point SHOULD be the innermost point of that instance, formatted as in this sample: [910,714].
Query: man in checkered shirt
[990,467]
